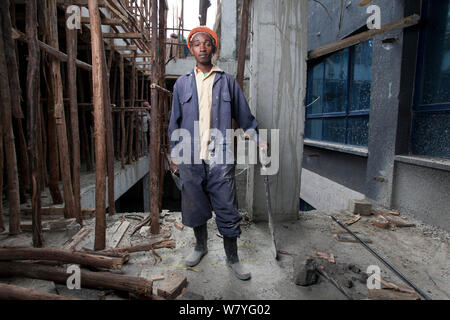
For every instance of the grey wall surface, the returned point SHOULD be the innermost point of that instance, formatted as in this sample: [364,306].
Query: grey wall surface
[277,90]
[423,192]
[334,19]
[346,169]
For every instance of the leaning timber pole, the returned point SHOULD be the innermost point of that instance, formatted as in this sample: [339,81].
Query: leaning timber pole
[154,152]
[33,109]
[243,44]
[9,146]
[59,113]
[71,47]
[99,124]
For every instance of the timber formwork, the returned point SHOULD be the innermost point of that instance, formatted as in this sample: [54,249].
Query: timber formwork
[72,100]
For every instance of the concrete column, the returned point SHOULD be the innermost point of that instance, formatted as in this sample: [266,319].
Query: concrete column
[277,91]
[384,108]
[228,41]
[145,192]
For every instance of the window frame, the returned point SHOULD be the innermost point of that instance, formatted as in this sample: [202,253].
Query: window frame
[340,114]
[434,107]
[418,109]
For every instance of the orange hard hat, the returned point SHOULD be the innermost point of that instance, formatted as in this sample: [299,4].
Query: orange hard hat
[202,29]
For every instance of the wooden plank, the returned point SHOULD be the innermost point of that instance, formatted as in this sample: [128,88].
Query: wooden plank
[77,238]
[124,35]
[118,234]
[121,48]
[172,286]
[363,36]
[387,294]
[104,21]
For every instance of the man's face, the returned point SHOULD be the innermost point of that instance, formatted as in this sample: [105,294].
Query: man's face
[202,48]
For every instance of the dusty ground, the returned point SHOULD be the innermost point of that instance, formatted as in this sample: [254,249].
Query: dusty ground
[421,253]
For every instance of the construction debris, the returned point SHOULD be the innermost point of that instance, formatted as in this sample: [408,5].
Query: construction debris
[305,272]
[361,207]
[388,294]
[178,225]
[172,286]
[381,223]
[77,238]
[116,233]
[326,256]
[49,225]
[352,221]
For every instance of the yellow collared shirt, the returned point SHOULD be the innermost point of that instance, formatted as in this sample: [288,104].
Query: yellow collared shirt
[204,92]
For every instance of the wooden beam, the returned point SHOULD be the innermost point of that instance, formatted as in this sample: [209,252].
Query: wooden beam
[121,48]
[105,21]
[125,35]
[99,124]
[52,51]
[363,36]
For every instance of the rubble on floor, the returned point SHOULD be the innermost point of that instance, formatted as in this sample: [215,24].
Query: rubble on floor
[419,251]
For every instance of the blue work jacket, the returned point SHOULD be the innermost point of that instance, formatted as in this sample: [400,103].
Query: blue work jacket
[228,102]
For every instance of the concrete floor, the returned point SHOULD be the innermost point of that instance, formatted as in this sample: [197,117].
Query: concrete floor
[420,253]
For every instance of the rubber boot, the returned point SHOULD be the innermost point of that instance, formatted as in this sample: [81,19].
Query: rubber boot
[201,236]
[230,246]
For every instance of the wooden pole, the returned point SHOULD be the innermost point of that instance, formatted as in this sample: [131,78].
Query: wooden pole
[162,96]
[9,147]
[108,134]
[243,44]
[57,92]
[122,114]
[99,123]
[154,133]
[71,47]
[33,76]
[61,255]
[15,94]
[2,223]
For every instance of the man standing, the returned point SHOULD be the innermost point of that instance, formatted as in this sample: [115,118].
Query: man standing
[206,100]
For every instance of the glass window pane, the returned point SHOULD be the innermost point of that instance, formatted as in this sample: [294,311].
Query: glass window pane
[435,72]
[361,76]
[358,131]
[336,75]
[334,130]
[431,134]
[313,129]
[315,87]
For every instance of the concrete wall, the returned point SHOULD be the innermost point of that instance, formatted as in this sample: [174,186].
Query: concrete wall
[277,90]
[423,192]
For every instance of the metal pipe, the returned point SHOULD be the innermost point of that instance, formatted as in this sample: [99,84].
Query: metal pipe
[387,264]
